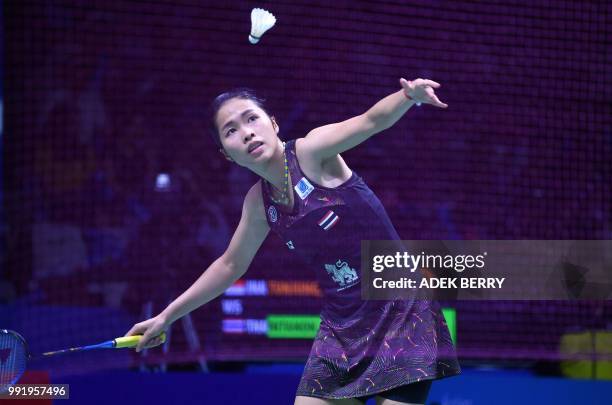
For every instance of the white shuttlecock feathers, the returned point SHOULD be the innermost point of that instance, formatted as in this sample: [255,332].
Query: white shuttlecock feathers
[261,21]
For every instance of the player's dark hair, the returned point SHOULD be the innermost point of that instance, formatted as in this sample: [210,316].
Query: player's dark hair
[243,93]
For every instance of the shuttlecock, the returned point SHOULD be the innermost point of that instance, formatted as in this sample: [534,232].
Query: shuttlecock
[261,21]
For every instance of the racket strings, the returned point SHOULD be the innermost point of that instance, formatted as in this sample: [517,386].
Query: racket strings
[12,359]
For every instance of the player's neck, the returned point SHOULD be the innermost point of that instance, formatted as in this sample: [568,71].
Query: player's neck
[273,170]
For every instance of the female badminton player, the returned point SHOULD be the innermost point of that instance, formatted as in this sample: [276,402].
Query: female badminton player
[321,209]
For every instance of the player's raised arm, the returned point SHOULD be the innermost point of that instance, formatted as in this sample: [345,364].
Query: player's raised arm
[330,140]
[222,273]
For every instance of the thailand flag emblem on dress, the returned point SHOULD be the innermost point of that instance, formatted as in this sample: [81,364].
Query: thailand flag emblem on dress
[329,220]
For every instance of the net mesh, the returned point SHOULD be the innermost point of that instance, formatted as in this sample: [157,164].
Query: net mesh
[116,199]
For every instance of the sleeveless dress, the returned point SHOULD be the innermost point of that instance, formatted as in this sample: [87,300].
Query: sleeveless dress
[363,347]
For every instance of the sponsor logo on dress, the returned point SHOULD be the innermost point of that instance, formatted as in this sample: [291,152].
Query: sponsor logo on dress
[328,220]
[290,245]
[272,213]
[342,274]
[303,188]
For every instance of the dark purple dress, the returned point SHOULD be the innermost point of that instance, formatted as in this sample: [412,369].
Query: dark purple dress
[362,347]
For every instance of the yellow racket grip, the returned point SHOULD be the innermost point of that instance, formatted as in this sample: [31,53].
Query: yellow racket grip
[132,341]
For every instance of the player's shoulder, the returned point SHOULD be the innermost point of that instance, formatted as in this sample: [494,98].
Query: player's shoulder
[253,202]
[329,172]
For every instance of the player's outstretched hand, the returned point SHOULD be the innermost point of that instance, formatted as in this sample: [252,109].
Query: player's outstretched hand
[422,91]
[150,330]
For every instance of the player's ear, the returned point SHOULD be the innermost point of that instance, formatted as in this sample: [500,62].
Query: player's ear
[274,124]
[224,153]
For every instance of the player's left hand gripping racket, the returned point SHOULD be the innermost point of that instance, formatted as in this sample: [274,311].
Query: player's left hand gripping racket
[14,353]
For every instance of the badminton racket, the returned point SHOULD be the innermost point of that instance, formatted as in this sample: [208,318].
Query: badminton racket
[14,353]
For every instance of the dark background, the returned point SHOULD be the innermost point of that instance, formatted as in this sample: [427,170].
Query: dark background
[103,96]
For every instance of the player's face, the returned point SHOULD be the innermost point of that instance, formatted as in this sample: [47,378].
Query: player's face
[247,133]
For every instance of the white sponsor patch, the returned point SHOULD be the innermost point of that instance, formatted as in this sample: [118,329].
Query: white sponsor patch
[303,188]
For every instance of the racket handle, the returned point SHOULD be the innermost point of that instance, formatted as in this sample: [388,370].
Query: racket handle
[132,341]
